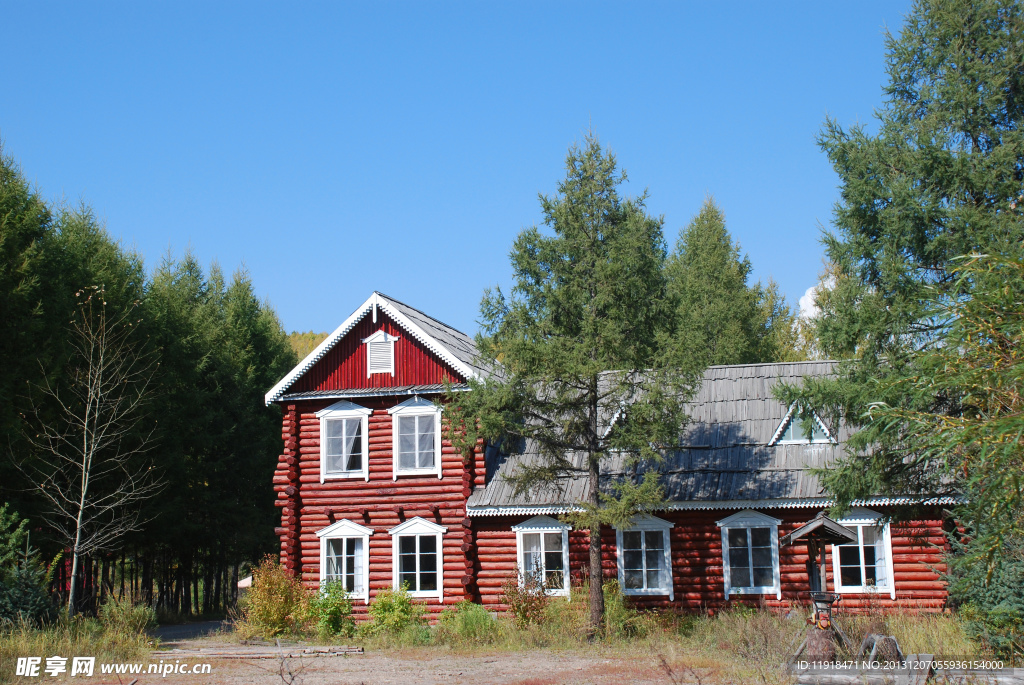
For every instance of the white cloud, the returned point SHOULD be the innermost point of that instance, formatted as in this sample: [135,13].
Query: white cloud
[808,310]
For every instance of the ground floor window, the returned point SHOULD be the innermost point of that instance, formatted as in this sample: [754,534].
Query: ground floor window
[750,554]
[417,557]
[644,557]
[345,556]
[866,565]
[542,547]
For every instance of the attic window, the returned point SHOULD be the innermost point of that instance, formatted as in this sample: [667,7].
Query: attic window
[380,353]
[792,431]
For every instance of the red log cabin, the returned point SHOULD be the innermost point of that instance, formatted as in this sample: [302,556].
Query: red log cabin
[372,494]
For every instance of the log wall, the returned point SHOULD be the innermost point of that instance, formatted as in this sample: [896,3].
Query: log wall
[696,551]
[307,505]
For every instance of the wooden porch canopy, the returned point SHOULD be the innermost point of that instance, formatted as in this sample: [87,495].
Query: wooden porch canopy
[822,530]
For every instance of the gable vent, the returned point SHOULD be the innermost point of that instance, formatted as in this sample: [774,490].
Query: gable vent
[380,353]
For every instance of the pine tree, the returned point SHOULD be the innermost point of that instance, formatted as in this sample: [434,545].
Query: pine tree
[941,178]
[579,339]
[718,315]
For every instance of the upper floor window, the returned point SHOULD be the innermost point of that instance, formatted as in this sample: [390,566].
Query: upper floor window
[750,554]
[794,431]
[644,559]
[343,449]
[417,558]
[416,436]
[345,557]
[542,546]
[866,565]
[380,353]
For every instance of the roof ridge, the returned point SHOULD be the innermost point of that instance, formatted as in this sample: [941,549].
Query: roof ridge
[420,311]
[806,361]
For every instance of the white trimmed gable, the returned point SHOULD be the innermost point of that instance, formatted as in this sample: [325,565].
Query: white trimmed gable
[748,517]
[343,406]
[370,306]
[413,403]
[418,526]
[789,418]
[541,523]
[344,529]
[380,353]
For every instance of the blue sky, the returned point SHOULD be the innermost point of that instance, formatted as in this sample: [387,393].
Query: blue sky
[338,148]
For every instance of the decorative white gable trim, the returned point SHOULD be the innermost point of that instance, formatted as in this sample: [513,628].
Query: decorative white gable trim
[347,529]
[857,518]
[415,406]
[829,438]
[375,301]
[748,518]
[346,410]
[544,524]
[419,526]
[645,522]
[380,353]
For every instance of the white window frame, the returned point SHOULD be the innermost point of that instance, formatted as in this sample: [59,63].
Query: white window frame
[415,406]
[857,519]
[418,527]
[341,530]
[544,524]
[829,439]
[647,523]
[748,518]
[345,410]
[380,336]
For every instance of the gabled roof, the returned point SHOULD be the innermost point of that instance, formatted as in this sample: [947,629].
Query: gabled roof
[725,455]
[454,347]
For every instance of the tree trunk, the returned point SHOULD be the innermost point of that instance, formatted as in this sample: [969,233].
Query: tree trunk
[594,466]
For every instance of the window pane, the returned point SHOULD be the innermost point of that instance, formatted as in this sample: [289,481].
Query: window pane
[634,579]
[653,559]
[335,553]
[739,557]
[406,449]
[428,544]
[553,563]
[428,581]
[761,537]
[354,444]
[653,579]
[407,561]
[653,540]
[426,441]
[532,564]
[740,576]
[407,544]
[763,576]
[849,565]
[737,537]
[632,559]
[631,539]
[761,556]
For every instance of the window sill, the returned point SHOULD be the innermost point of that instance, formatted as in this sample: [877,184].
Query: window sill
[863,590]
[418,472]
[425,594]
[753,591]
[343,475]
[648,591]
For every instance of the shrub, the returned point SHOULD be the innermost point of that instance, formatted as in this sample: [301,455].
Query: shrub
[394,614]
[620,620]
[466,622]
[275,604]
[23,596]
[525,598]
[331,609]
[126,616]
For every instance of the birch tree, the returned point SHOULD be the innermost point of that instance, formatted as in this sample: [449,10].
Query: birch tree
[88,435]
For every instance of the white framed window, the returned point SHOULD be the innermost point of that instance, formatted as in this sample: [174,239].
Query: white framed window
[380,353]
[343,441]
[417,557]
[750,554]
[792,432]
[864,566]
[645,557]
[416,438]
[345,557]
[542,551]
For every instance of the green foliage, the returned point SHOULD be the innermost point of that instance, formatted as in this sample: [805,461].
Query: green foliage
[126,616]
[525,598]
[718,317]
[276,604]
[580,338]
[331,610]
[620,620]
[939,180]
[13,534]
[394,614]
[23,580]
[466,623]
[304,343]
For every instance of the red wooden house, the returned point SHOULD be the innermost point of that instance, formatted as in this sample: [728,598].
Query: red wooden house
[372,494]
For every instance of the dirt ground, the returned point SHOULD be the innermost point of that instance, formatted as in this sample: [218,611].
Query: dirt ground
[424,666]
